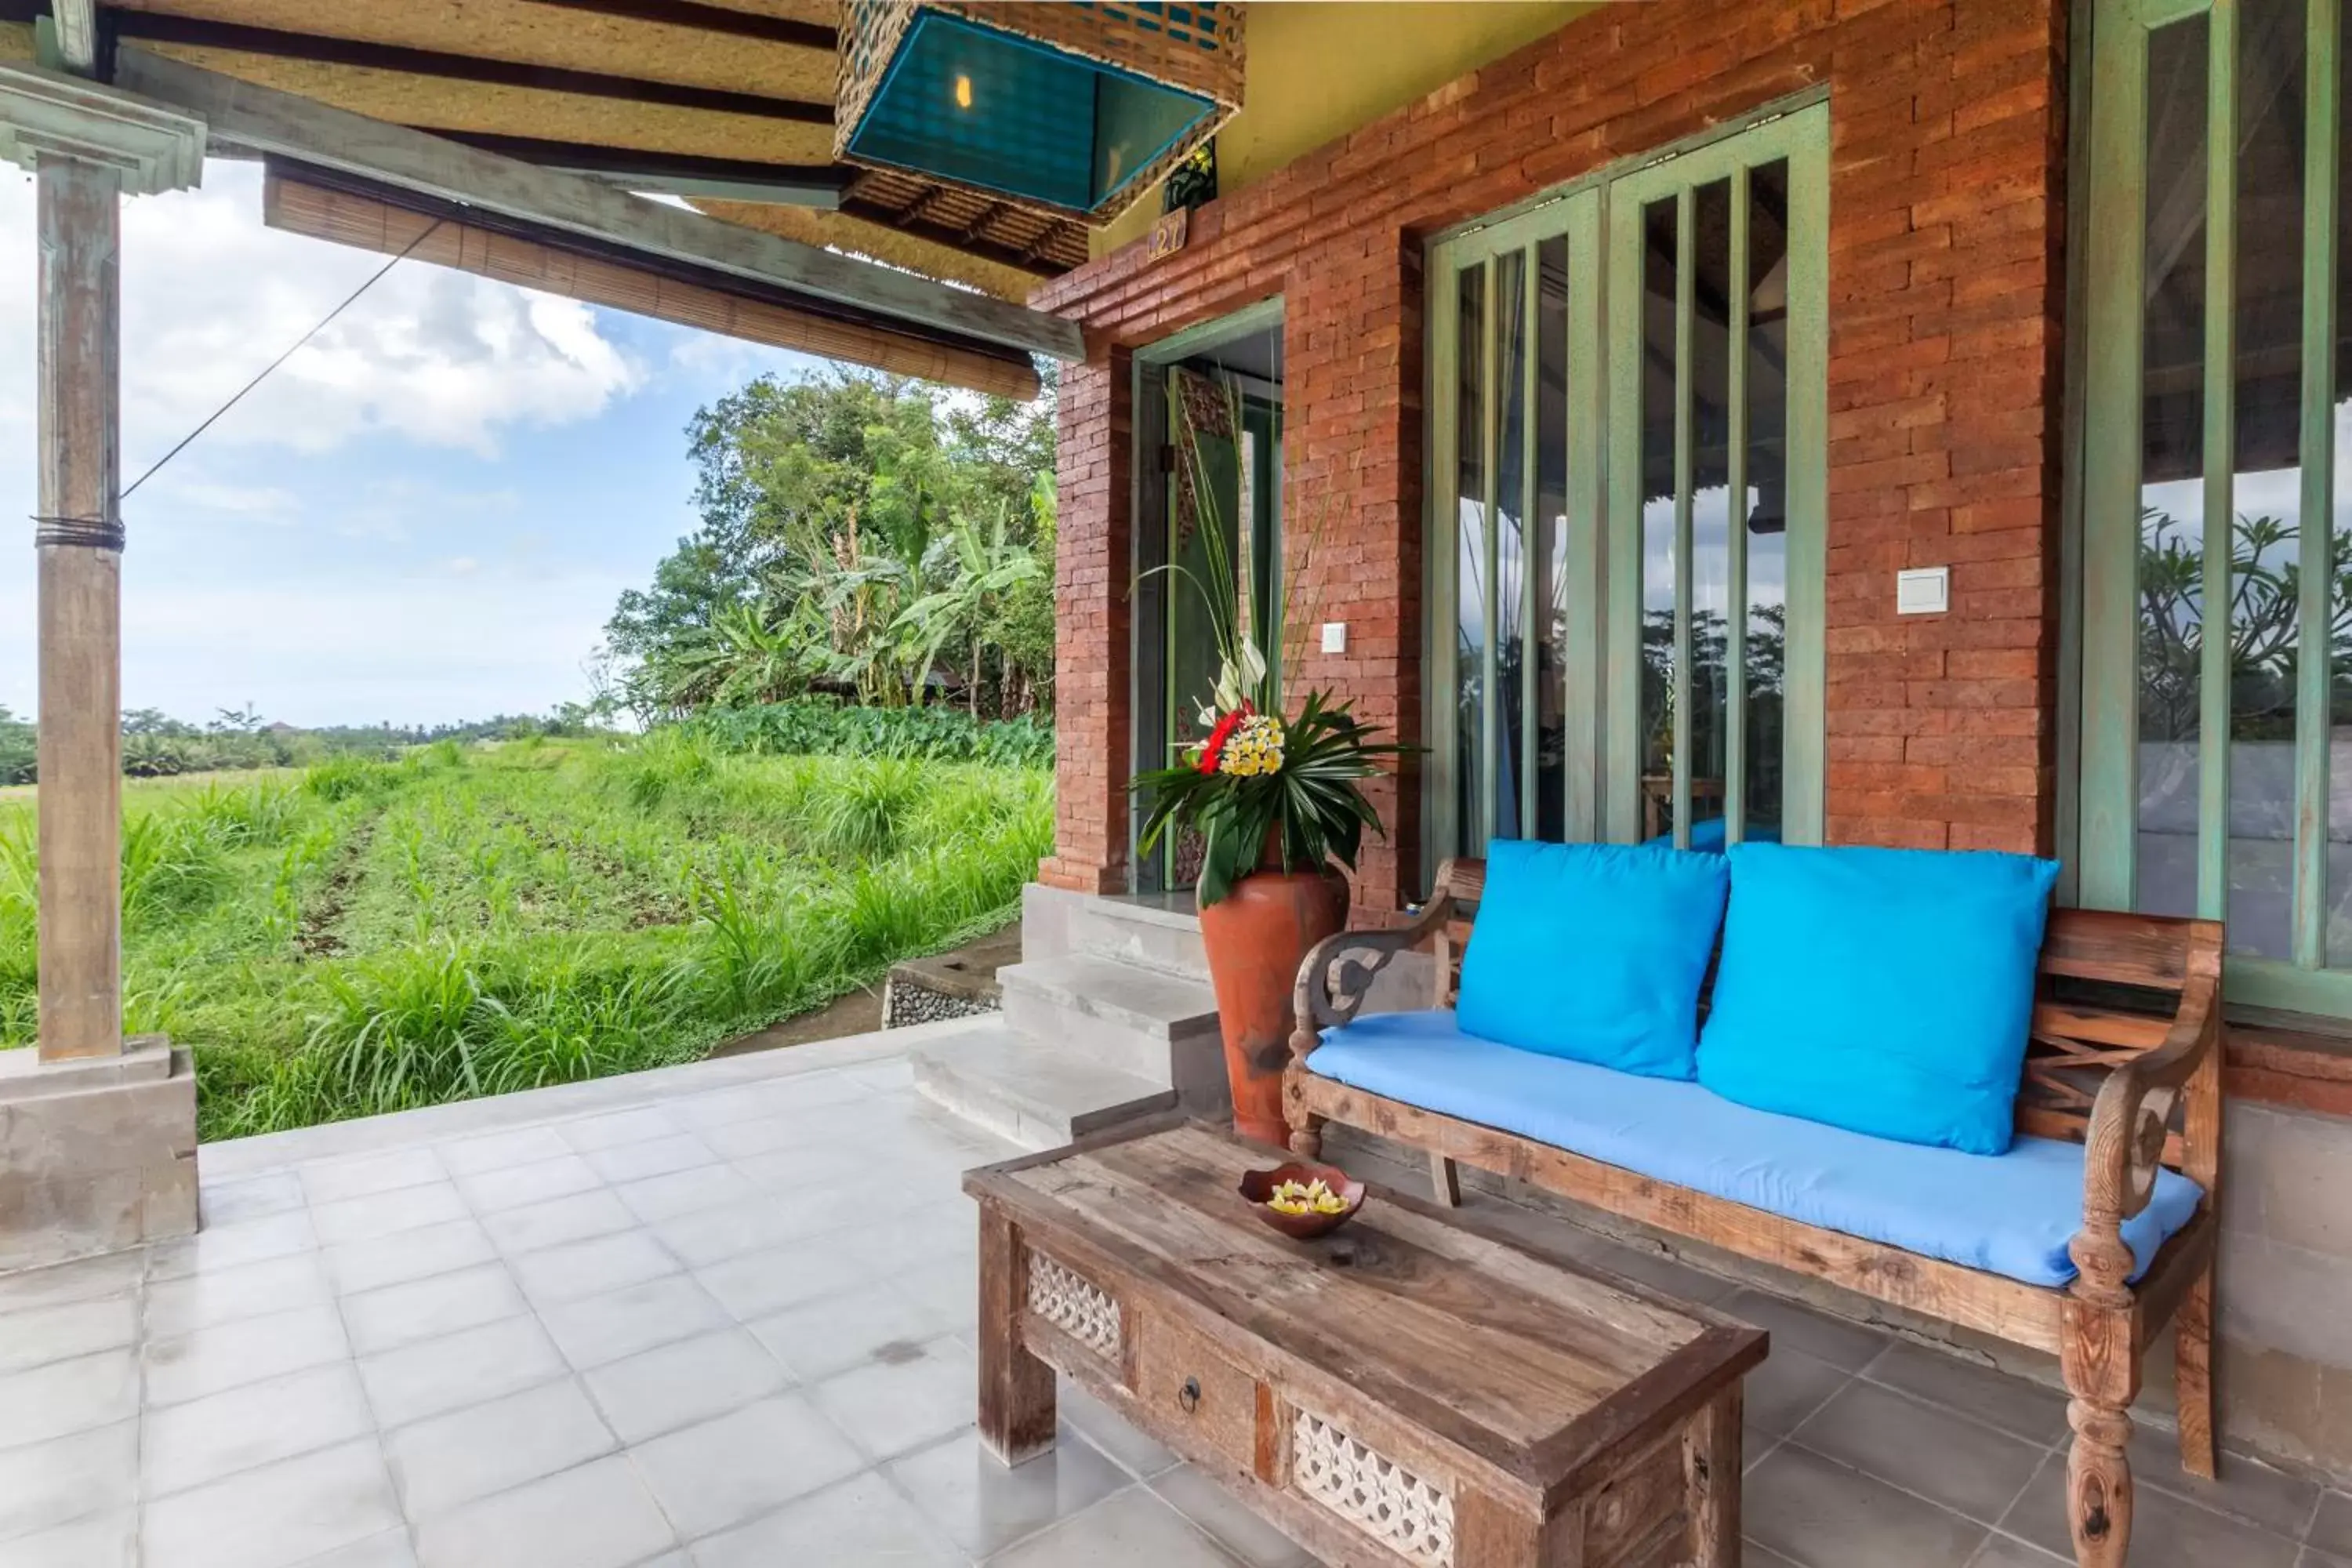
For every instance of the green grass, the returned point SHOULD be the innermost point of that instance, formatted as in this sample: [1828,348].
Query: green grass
[369,936]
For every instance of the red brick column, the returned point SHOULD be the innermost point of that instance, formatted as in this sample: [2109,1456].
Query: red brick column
[1093,592]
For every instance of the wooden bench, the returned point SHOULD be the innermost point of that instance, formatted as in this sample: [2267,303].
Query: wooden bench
[2125,1058]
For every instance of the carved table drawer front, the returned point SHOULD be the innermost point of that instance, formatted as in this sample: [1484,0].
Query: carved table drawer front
[1073,1304]
[1192,1388]
[1411,1517]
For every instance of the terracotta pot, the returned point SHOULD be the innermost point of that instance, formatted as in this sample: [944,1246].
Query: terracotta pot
[1257,936]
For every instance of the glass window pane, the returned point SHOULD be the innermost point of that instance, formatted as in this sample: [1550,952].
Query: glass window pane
[2339,586]
[1764,509]
[1510,558]
[1470,563]
[1657,470]
[2172,507]
[1710,418]
[1550,538]
[2266,533]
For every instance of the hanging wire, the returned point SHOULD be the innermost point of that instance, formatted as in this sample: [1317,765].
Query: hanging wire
[324,320]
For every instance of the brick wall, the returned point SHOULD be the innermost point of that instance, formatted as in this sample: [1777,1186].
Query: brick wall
[1945,274]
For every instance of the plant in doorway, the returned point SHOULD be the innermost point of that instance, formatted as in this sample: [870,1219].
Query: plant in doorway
[1276,803]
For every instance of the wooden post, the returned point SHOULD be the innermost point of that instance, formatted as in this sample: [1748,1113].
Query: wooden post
[79,537]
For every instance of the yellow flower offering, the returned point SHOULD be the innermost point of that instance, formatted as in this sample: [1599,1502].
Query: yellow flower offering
[1254,749]
[1306,1197]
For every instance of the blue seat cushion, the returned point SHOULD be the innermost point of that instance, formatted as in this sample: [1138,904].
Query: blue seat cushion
[2009,1214]
[1595,952]
[1883,991]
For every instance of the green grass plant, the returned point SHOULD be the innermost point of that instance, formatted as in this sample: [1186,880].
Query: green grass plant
[372,936]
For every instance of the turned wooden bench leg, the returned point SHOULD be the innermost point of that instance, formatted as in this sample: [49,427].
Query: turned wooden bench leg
[1446,1179]
[1306,1127]
[2099,1352]
[2192,1359]
[1016,1389]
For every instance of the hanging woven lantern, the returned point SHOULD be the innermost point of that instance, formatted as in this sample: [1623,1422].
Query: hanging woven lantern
[1072,108]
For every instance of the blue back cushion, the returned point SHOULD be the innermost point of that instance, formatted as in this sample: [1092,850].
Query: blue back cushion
[1594,952]
[1883,991]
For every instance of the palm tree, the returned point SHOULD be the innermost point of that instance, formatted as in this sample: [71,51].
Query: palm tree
[984,567]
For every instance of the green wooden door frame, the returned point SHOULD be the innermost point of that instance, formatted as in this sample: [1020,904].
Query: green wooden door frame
[2105,815]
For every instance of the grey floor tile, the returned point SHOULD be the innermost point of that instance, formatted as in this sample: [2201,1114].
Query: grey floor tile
[330,1181]
[389,1549]
[1135,1526]
[483,1449]
[403,1256]
[685,1191]
[86,1279]
[1971,1469]
[1229,1521]
[1789,1386]
[2313,1557]
[554,1275]
[387,1213]
[1826,1516]
[651,1157]
[610,1132]
[247,1350]
[754,1285]
[713,1235]
[276,1516]
[984,1506]
[397,1315]
[789,1166]
[2014,1405]
[947,1293]
[2167,1531]
[725,1472]
[101,1540]
[43,1485]
[679,1385]
[834,1334]
[721,1108]
[457,1370]
[597,1516]
[226,1244]
[595,1329]
[250,1197]
[861,1520]
[497,1150]
[2278,1502]
[1134,1451]
[43,1334]
[1796,1327]
[183,1306]
[2331,1528]
[902,1401]
[584,1214]
[188,1445]
[69,1396]
[520,1186]
[2008,1551]
[941,1233]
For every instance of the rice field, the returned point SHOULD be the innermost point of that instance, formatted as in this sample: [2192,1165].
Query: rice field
[371,936]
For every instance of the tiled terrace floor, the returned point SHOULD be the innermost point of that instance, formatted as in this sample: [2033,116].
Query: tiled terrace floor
[721,1316]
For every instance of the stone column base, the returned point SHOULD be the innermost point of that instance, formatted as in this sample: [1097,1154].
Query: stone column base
[96,1154]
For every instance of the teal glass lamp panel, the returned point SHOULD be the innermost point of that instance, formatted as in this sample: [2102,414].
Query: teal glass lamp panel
[985,108]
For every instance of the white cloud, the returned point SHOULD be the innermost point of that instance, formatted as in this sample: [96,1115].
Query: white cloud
[210,296]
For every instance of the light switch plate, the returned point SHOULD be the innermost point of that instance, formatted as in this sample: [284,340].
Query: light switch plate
[1335,636]
[1925,591]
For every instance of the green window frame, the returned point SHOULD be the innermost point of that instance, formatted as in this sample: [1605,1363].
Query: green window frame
[2183,800]
[1497,571]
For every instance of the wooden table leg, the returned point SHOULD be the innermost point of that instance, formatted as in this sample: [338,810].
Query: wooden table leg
[1711,1467]
[1016,1389]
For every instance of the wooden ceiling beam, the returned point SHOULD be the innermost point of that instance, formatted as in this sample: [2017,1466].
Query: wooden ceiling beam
[291,126]
[194,31]
[705,18]
[670,174]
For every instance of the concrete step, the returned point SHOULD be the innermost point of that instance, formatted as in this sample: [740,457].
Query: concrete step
[1137,1019]
[1041,1094]
[1153,934]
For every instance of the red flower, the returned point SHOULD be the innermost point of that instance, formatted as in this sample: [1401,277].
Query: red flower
[1213,750]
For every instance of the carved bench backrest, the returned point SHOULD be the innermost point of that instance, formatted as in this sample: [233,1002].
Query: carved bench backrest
[2110,988]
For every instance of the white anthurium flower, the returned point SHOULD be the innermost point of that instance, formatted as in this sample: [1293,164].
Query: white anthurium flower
[1253,665]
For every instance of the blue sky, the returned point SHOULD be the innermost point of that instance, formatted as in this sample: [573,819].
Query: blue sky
[424,515]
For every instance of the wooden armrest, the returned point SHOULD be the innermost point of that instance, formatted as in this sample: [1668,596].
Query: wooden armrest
[1338,970]
[2130,1121]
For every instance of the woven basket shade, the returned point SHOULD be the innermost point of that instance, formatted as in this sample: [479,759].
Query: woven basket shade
[1070,109]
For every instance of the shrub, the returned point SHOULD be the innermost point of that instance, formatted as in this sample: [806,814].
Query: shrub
[817,728]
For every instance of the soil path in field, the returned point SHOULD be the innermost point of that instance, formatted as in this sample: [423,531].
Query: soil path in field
[317,937]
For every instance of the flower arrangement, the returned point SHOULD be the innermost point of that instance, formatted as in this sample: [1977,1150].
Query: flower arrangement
[1265,792]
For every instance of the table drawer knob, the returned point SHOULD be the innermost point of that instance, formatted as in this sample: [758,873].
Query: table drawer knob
[1189,1397]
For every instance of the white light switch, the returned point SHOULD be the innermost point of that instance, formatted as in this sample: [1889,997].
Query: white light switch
[1926,591]
[1335,636]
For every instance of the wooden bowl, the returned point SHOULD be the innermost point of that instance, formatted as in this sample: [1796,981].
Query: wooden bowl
[1257,1186]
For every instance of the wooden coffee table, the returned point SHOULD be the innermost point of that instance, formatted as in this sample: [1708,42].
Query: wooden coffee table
[1414,1389]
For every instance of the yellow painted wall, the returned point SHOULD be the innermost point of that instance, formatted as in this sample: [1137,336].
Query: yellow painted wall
[1317,70]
